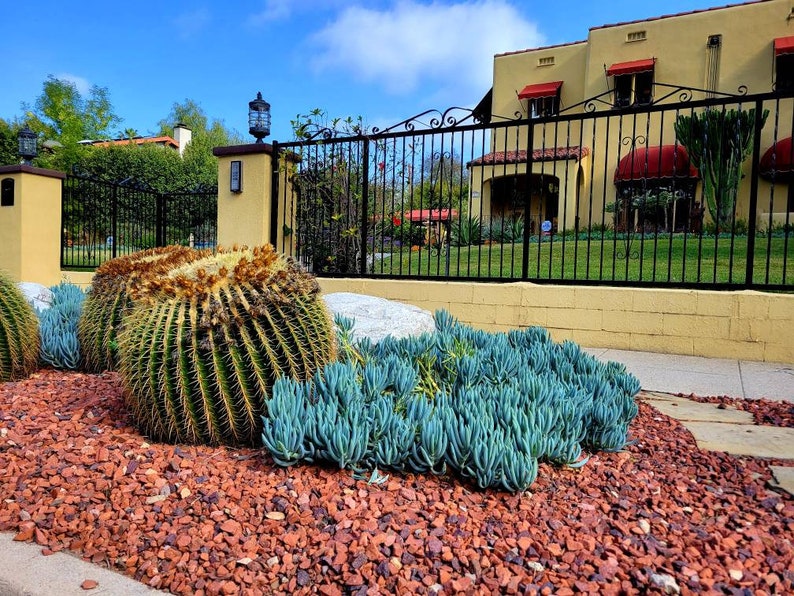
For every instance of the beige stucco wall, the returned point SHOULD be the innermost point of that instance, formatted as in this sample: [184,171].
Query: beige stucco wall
[739,325]
[30,230]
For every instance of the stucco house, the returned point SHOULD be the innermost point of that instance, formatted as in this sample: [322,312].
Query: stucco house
[580,165]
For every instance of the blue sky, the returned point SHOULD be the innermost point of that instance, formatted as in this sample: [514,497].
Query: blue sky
[382,60]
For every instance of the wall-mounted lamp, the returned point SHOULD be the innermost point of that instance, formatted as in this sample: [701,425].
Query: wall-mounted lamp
[236,176]
[27,145]
[259,118]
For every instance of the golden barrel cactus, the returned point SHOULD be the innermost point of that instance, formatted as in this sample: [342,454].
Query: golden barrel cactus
[110,296]
[19,333]
[203,344]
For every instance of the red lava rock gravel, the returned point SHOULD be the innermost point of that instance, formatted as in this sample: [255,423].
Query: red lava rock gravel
[198,520]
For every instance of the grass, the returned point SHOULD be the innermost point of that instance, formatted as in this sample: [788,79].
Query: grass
[651,258]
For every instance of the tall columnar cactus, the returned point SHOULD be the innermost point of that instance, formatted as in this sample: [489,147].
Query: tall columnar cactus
[203,344]
[19,333]
[109,297]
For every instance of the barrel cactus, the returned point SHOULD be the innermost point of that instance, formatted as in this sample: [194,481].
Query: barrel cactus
[203,344]
[19,333]
[109,297]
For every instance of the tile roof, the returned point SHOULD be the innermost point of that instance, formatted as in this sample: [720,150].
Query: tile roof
[520,156]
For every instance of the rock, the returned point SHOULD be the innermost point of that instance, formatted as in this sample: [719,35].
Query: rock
[39,296]
[665,582]
[376,318]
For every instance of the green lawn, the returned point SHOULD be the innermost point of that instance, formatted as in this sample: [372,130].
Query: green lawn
[660,258]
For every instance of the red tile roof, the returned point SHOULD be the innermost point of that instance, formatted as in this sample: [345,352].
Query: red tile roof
[516,157]
[164,140]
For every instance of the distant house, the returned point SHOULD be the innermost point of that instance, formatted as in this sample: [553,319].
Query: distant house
[180,140]
[619,67]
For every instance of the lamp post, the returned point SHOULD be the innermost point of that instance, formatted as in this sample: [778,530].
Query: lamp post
[259,118]
[27,145]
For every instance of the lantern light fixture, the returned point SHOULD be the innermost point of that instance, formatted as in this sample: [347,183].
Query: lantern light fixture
[27,145]
[259,118]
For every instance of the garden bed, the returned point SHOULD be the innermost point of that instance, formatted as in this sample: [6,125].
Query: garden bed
[201,520]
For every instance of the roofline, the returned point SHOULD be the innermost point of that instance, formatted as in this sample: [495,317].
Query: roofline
[137,141]
[556,45]
[620,24]
[678,14]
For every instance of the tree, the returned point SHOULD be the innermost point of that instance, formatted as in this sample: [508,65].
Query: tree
[9,145]
[156,167]
[199,164]
[62,114]
[718,142]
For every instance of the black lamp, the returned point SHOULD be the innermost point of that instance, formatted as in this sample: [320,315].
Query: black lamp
[27,145]
[259,118]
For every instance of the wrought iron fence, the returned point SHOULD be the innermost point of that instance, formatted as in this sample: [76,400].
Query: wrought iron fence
[645,196]
[103,220]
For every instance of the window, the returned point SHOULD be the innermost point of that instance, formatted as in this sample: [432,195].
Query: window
[547,61]
[636,36]
[636,89]
[784,72]
[544,106]
[632,82]
[784,63]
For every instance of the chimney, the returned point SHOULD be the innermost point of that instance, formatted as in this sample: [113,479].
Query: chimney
[182,136]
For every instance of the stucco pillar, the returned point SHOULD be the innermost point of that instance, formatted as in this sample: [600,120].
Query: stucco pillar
[244,211]
[30,223]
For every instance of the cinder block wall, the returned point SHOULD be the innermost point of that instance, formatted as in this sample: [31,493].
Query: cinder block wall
[739,325]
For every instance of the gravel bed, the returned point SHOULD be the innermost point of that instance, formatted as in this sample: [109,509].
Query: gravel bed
[661,517]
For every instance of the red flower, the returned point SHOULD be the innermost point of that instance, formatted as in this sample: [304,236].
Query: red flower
[396,221]
[382,166]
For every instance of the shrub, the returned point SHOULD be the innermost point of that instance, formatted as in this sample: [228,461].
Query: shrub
[466,232]
[203,343]
[19,336]
[109,296]
[60,347]
[486,406]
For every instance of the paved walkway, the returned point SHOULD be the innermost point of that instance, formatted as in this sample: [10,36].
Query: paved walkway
[24,571]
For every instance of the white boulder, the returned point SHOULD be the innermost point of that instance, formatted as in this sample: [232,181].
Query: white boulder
[39,296]
[376,318]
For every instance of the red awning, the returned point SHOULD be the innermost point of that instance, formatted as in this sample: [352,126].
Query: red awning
[777,162]
[421,215]
[784,45]
[540,90]
[651,163]
[621,68]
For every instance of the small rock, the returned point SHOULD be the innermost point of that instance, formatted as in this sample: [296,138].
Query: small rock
[644,526]
[244,561]
[89,584]
[535,566]
[184,492]
[665,582]
[272,561]
[275,515]
[736,574]
[155,499]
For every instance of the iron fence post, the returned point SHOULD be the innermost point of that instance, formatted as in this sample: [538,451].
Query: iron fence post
[113,219]
[159,220]
[528,204]
[751,224]
[364,205]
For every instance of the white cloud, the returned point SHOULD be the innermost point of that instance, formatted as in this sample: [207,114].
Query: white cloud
[446,49]
[81,84]
[273,10]
[190,23]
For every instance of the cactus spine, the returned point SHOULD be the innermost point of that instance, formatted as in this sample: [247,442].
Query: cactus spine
[204,343]
[110,296]
[19,333]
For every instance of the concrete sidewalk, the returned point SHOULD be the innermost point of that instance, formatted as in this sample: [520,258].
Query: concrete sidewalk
[670,373]
[24,571]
